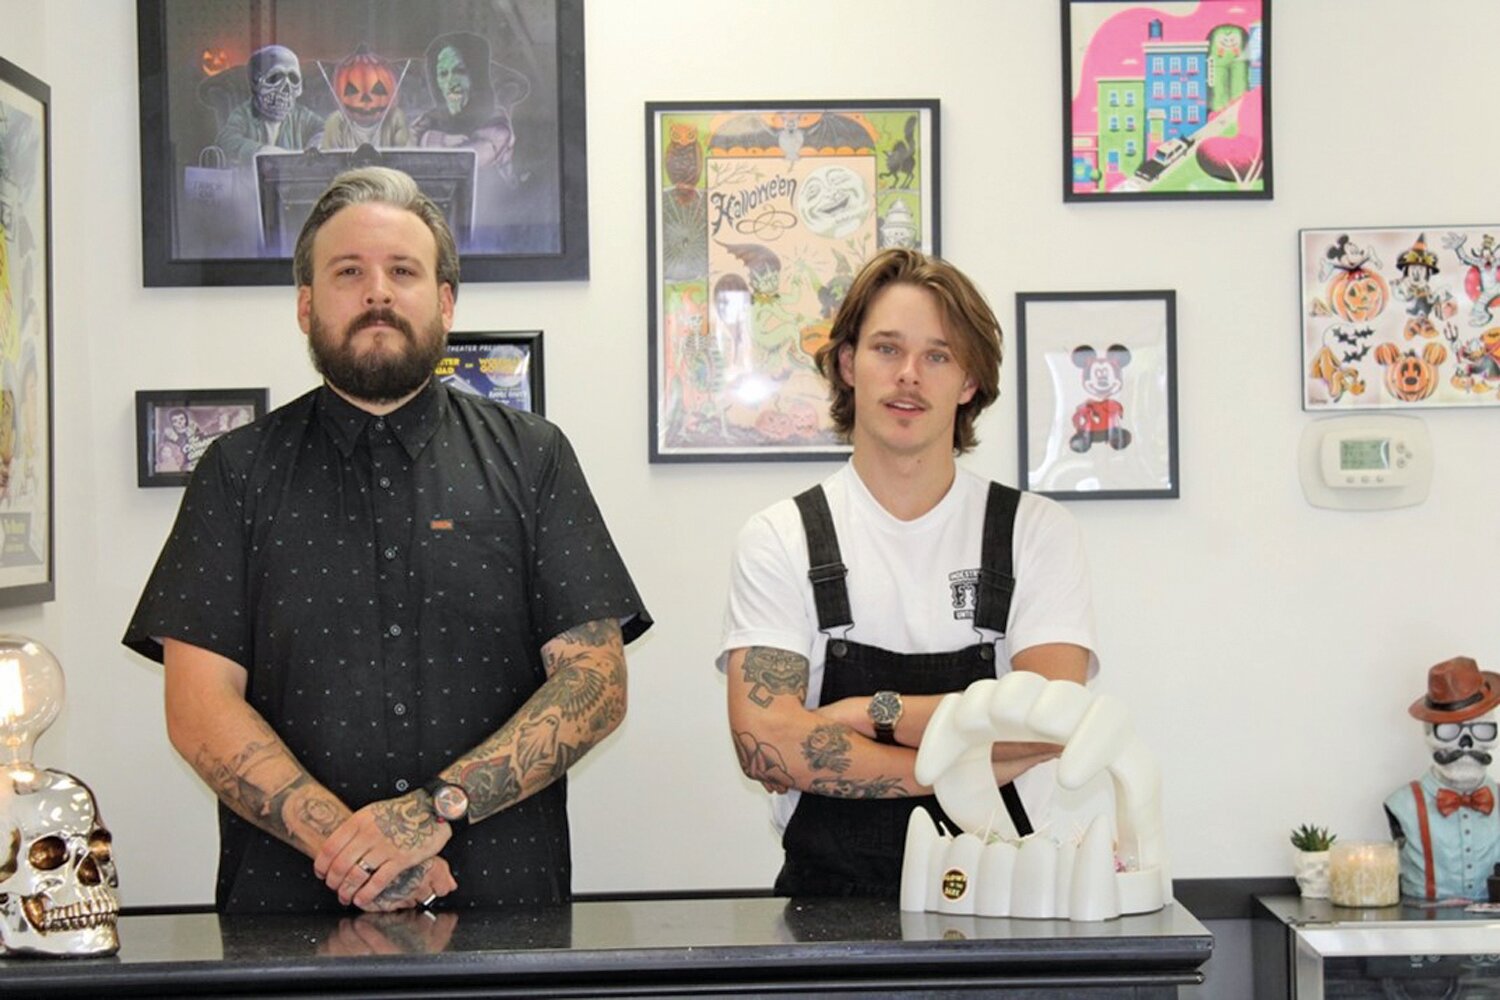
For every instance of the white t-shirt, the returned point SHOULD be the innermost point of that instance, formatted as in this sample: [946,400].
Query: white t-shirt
[911,586]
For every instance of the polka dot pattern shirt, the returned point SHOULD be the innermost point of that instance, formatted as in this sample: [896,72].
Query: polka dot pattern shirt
[388,583]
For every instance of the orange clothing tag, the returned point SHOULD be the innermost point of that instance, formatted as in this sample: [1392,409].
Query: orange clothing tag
[442,524]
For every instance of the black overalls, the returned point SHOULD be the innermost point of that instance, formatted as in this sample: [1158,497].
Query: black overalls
[853,847]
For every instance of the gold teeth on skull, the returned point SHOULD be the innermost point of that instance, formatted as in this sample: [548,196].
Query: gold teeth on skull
[75,916]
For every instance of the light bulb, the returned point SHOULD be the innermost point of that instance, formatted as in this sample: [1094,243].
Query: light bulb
[31,695]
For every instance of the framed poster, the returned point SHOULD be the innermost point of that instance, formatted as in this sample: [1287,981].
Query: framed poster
[503,366]
[174,427]
[758,217]
[27,563]
[1403,318]
[248,110]
[1098,416]
[1166,99]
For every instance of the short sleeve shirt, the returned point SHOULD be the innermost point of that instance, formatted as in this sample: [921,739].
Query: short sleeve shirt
[388,583]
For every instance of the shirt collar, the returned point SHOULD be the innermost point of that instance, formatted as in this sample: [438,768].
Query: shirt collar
[413,424]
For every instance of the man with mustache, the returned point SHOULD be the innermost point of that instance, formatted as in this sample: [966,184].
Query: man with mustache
[391,615]
[854,607]
[1446,821]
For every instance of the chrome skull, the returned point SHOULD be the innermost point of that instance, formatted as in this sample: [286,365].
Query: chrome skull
[275,80]
[57,870]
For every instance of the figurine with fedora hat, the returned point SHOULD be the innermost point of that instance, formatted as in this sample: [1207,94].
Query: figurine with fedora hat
[1447,821]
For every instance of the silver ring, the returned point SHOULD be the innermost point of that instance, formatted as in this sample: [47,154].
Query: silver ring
[429,900]
[367,869]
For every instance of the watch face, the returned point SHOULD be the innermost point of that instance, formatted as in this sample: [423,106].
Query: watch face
[450,802]
[885,708]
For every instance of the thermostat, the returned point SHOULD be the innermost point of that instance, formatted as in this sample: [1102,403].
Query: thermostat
[1366,462]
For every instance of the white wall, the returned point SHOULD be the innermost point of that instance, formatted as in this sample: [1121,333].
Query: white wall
[1267,649]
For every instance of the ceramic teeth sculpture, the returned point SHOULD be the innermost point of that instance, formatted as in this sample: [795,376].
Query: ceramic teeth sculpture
[988,869]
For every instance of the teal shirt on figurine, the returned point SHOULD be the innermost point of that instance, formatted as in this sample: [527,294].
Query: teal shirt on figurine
[1446,822]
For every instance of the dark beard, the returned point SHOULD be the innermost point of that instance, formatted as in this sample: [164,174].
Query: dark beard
[377,377]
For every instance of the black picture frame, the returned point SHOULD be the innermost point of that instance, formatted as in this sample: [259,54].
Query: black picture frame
[28,565]
[505,366]
[529,216]
[734,191]
[168,450]
[1077,442]
[1167,118]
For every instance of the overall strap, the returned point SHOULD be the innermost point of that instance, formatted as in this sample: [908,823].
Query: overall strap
[827,570]
[997,582]
[1416,791]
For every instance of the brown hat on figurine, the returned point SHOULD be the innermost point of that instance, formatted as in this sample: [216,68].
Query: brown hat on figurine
[1457,690]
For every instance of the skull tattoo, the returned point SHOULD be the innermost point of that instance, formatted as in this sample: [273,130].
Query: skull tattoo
[57,870]
[275,81]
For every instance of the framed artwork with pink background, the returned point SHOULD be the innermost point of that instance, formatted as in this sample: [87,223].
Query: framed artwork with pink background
[1166,100]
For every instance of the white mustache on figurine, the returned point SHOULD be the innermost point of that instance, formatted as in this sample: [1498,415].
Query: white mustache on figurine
[988,870]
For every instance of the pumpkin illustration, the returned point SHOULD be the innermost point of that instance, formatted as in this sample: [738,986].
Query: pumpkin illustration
[1408,377]
[214,61]
[365,85]
[1358,295]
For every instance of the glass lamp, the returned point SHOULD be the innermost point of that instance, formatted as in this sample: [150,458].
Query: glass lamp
[31,695]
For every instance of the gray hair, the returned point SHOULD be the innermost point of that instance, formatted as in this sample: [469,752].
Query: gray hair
[382,185]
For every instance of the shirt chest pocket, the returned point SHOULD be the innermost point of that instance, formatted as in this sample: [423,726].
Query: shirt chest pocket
[475,572]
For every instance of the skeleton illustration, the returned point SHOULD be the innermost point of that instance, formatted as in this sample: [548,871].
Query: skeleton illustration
[1119,864]
[57,870]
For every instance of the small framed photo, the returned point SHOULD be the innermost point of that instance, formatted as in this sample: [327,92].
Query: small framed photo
[504,366]
[1098,394]
[174,427]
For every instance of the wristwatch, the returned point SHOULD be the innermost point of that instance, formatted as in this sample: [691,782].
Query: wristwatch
[885,711]
[450,803]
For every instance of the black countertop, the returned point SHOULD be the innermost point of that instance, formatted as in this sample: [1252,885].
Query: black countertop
[639,947]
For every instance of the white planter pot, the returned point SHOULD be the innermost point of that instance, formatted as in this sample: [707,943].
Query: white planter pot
[1311,871]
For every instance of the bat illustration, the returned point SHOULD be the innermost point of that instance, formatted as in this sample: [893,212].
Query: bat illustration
[1359,355]
[786,131]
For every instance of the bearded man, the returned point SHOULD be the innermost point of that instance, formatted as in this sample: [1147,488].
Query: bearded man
[391,615]
[1446,821]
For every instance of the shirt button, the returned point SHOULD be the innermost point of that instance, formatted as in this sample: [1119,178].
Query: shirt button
[385,482]
[399,708]
[394,630]
[390,553]
[380,425]
[402,784]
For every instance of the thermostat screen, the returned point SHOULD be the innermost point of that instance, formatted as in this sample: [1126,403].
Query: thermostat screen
[1364,454]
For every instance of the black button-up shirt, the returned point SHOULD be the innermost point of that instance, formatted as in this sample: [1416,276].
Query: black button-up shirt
[388,583]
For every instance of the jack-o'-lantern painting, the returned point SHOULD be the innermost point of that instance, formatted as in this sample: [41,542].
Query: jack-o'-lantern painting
[1400,318]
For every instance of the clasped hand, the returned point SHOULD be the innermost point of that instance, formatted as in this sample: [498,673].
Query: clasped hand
[384,856]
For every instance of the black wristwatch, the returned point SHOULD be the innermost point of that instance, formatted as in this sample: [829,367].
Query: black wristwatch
[885,711]
[450,803]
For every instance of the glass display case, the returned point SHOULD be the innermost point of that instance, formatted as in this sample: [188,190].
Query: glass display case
[1307,949]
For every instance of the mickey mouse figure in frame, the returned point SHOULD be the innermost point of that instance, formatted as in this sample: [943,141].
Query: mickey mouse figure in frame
[1446,821]
[1100,418]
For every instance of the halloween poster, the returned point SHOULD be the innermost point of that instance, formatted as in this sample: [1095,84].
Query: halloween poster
[761,219]
[260,106]
[1167,99]
[25,342]
[1400,318]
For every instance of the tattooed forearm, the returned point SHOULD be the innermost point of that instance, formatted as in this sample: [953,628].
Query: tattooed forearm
[872,788]
[827,748]
[574,692]
[258,783]
[319,815]
[763,762]
[771,672]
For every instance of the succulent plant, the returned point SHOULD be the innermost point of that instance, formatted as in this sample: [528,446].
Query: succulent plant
[1312,838]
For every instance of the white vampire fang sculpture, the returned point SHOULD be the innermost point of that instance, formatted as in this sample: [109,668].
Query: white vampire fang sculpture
[988,870]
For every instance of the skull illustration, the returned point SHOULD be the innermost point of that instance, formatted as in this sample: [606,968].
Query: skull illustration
[57,872]
[1462,751]
[275,80]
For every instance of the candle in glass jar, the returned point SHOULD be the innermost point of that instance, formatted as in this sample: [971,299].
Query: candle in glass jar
[1364,873]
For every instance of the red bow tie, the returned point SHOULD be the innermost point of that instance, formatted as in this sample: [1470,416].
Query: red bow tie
[1480,800]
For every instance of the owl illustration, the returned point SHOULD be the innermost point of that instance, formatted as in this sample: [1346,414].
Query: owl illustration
[684,161]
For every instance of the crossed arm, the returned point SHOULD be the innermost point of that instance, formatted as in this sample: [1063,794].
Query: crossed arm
[831,750]
[240,757]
